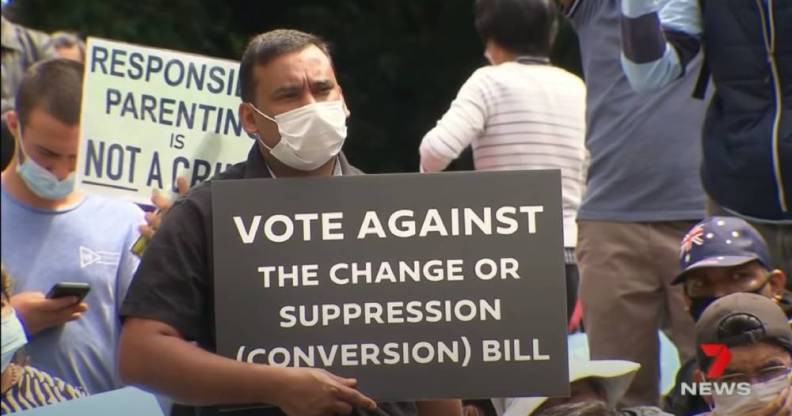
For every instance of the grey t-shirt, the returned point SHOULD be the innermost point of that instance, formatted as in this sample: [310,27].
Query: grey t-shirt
[88,243]
[645,147]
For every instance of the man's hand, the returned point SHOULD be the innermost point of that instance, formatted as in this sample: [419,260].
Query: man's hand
[163,204]
[315,392]
[39,313]
[781,406]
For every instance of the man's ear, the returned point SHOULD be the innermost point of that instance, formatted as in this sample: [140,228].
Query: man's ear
[698,377]
[777,283]
[248,119]
[343,101]
[12,121]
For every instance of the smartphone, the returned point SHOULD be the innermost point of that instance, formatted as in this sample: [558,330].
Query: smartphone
[64,289]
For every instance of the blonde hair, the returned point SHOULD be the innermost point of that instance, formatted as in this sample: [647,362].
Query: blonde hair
[6,295]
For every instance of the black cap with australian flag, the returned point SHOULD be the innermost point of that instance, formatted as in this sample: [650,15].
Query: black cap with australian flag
[721,242]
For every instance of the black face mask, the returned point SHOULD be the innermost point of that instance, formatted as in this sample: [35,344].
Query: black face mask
[697,305]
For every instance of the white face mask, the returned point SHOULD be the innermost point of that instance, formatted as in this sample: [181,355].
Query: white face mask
[310,135]
[39,180]
[13,337]
[761,395]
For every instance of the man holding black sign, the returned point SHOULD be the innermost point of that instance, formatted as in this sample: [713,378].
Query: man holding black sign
[293,106]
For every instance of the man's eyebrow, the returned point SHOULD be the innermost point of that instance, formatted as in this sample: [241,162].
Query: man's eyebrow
[775,362]
[742,267]
[47,151]
[291,89]
[286,90]
[322,83]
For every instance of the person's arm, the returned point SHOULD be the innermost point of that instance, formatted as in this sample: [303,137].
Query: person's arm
[167,306]
[440,408]
[460,125]
[153,355]
[658,44]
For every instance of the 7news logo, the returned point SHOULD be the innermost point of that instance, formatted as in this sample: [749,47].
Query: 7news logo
[722,358]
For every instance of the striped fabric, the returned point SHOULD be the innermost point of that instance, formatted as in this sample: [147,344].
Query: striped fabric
[569,256]
[35,389]
[517,117]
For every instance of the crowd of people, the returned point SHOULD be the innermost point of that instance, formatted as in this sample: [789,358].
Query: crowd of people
[675,156]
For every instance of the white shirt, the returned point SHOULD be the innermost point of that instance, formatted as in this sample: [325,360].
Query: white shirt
[518,117]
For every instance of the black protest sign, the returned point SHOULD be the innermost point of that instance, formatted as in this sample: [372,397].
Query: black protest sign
[420,286]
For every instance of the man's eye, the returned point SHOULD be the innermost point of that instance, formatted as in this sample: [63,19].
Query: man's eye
[734,378]
[741,276]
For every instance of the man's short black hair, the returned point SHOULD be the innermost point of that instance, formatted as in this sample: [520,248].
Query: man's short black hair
[524,27]
[55,86]
[267,46]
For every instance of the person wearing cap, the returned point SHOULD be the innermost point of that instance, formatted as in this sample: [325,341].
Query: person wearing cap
[724,255]
[759,340]
[596,386]
[720,256]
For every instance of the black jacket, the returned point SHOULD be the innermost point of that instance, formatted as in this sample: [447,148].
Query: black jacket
[747,136]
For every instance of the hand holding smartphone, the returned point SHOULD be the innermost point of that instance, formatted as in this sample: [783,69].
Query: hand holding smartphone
[66,289]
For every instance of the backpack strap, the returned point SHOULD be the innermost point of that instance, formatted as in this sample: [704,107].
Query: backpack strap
[31,54]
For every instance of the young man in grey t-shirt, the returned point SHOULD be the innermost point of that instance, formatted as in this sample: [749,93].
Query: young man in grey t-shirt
[52,233]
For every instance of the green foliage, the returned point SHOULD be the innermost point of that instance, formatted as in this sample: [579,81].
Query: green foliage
[400,62]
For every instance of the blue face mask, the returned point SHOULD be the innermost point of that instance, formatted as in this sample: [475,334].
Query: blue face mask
[42,182]
[13,337]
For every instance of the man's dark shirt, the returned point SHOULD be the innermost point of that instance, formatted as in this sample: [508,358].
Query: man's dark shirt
[174,283]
